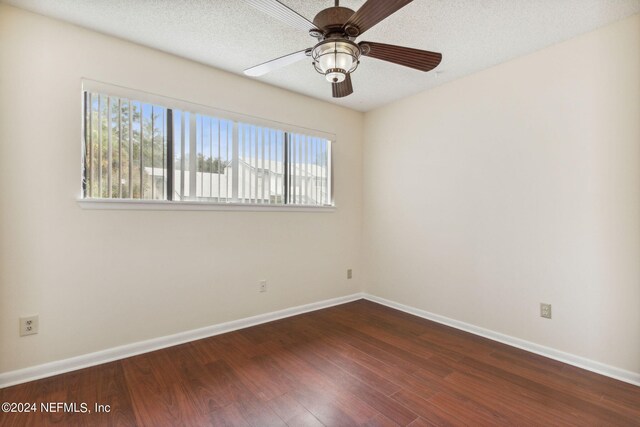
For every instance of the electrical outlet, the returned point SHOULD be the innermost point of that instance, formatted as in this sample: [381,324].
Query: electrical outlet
[545,310]
[262,286]
[28,325]
[349,274]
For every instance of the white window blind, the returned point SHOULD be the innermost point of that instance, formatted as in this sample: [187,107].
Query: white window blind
[260,164]
[309,168]
[144,151]
[125,148]
[202,157]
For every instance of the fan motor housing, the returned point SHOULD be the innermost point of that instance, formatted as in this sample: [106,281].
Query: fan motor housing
[331,20]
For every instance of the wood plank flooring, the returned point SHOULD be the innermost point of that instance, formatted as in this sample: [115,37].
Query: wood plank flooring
[357,364]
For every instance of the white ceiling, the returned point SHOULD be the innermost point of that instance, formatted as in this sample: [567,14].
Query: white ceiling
[228,34]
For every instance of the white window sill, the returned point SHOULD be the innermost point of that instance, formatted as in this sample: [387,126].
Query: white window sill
[164,205]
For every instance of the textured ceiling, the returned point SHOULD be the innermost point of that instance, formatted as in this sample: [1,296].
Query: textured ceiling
[228,34]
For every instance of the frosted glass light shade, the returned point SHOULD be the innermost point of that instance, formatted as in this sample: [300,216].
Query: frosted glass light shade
[335,59]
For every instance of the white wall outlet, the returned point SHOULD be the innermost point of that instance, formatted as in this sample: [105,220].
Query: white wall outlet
[349,274]
[545,310]
[28,325]
[262,286]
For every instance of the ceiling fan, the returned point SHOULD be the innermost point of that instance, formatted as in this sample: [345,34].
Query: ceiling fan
[336,55]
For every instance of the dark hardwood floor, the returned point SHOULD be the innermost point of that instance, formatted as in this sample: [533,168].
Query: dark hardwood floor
[355,364]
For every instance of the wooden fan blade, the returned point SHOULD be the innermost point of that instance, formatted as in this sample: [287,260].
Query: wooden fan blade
[342,89]
[372,12]
[283,13]
[422,60]
[274,64]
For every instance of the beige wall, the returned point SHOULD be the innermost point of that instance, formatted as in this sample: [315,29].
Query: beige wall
[514,186]
[99,279]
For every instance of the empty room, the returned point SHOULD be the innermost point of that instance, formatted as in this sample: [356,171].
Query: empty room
[320,212]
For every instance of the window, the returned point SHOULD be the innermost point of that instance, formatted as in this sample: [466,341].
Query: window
[136,150]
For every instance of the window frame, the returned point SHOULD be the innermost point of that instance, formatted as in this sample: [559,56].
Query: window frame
[93,86]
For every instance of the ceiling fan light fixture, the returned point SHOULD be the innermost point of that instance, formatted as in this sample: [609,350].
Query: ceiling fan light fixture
[335,59]
[336,55]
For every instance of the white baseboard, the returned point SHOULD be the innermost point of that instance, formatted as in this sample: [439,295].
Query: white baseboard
[86,360]
[571,359]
